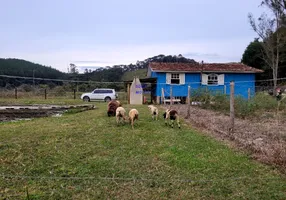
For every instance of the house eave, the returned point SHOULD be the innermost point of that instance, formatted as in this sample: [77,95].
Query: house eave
[193,72]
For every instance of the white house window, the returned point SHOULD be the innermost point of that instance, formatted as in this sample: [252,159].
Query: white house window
[212,79]
[175,78]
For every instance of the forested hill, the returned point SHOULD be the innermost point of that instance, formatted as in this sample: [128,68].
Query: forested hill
[23,68]
[119,73]
[116,73]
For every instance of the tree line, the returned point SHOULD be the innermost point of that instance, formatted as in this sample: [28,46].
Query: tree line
[23,68]
[268,51]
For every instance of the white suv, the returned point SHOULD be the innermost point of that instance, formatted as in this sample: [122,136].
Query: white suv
[103,94]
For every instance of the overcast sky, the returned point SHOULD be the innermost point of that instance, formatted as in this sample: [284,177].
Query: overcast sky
[58,32]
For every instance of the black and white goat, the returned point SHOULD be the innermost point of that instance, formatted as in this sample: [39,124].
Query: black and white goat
[172,115]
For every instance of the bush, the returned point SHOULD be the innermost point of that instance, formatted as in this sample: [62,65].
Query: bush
[243,108]
[220,102]
[201,95]
[25,88]
[264,101]
[59,91]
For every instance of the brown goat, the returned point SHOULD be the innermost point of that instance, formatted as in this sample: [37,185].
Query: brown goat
[112,106]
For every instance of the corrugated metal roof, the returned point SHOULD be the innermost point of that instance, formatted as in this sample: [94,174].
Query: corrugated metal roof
[205,67]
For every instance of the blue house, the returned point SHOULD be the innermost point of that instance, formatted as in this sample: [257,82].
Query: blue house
[214,77]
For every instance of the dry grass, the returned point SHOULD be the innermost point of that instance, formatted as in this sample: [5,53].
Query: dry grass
[264,137]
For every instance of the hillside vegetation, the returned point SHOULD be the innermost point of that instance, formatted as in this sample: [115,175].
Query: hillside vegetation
[116,73]
[141,73]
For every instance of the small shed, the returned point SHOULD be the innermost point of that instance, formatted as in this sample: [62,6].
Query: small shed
[148,89]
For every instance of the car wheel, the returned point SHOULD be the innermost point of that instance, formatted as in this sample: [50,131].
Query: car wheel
[107,99]
[87,99]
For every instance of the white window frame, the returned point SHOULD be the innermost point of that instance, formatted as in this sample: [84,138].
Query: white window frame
[205,79]
[175,76]
[212,79]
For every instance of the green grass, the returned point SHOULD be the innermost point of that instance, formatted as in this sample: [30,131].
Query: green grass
[174,163]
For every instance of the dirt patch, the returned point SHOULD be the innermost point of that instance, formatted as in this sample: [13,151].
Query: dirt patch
[263,138]
[9,113]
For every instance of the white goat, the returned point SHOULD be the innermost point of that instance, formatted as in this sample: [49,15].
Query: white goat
[154,111]
[120,114]
[133,115]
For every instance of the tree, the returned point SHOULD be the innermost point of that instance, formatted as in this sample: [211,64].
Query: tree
[86,71]
[253,56]
[73,69]
[270,30]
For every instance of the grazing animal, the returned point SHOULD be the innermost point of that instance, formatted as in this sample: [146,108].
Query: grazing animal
[154,111]
[114,101]
[112,106]
[133,115]
[120,114]
[172,115]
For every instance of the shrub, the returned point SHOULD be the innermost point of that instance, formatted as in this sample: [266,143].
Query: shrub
[59,91]
[264,101]
[25,88]
[220,102]
[201,95]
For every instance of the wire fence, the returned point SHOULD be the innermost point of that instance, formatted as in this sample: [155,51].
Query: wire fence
[72,89]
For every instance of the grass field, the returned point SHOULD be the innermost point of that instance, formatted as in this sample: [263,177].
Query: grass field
[87,156]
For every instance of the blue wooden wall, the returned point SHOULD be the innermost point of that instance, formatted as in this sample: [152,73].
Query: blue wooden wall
[243,81]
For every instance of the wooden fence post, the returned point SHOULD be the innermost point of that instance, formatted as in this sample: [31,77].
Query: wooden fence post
[163,96]
[231,128]
[45,93]
[224,89]
[74,94]
[249,94]
[189,102]
[128,93]
[171,96]
[16,94]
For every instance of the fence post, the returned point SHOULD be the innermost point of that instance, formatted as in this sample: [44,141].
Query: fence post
[128,93]
[231,128]
[249,94]
[74,94]
[45,93]
[171,96]
[16,95]
[224,89]
[189,102]
[163,96]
